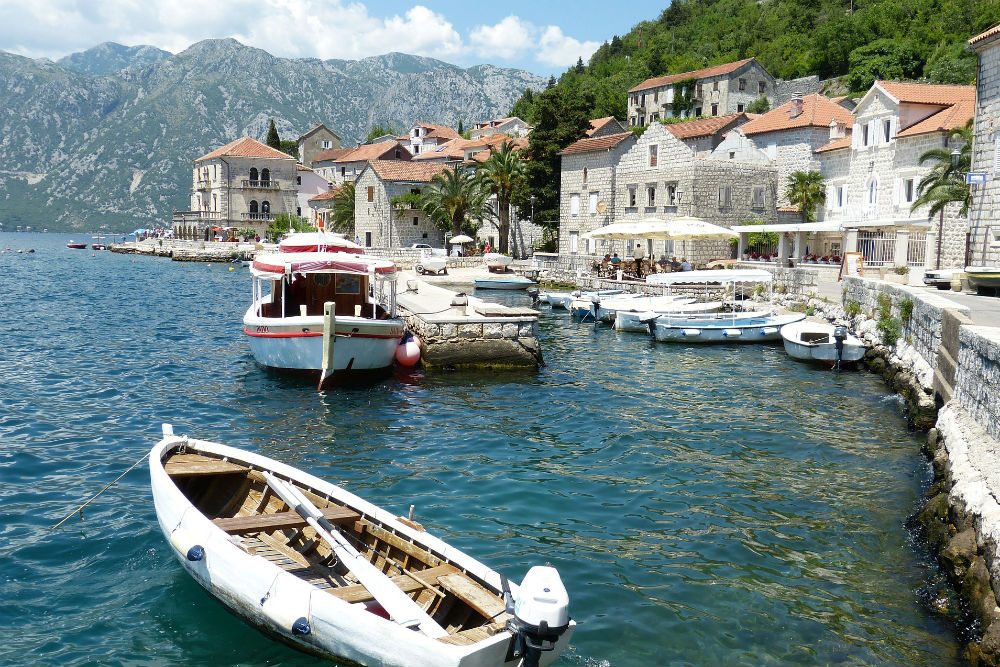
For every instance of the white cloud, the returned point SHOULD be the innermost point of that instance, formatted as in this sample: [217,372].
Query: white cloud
[561,50]
[508,39]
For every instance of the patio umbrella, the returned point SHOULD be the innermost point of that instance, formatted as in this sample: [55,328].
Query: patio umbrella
[461,238]
[683,228]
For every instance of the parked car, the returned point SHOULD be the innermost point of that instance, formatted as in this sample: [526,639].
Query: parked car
[940,278]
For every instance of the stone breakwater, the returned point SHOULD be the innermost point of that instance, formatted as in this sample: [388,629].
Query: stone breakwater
[188,251]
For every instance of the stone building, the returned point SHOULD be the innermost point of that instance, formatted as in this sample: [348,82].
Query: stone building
[244,184]
[423,136]
[790,134]
[380,224]
[344,165]
[715,91]
[308,185]
[318,139]
[588,179]
[984,243]
[511,126]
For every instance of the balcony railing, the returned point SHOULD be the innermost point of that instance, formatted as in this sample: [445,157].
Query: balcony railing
[194,217]
[258,216]
[262,185]
[204,184]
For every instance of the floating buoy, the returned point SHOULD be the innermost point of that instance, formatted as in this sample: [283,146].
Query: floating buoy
[408,350]
[232,268]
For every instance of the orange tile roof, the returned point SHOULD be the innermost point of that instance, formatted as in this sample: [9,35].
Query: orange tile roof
[836,144]
[246,147]
[598,123]
[949,118]
[992,32]
[715,70]
[331,154]
[702,127]
[328,195]
[927,93]
[817,111]
[366,152]
[400,170]
[439,131]
[592,144]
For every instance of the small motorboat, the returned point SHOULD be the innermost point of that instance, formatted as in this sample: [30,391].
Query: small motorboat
[639,320]
[328,573]
[506,282]
[565,299]
[821,341]
[76,246]
[606,309]
[431,264]
[726,328]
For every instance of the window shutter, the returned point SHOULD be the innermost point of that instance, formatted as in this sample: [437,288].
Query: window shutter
[856,136]
[996,155]
[894,127]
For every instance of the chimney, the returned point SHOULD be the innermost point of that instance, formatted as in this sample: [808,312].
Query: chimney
[797,105]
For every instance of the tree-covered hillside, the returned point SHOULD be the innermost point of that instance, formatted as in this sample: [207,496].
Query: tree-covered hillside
[859,39]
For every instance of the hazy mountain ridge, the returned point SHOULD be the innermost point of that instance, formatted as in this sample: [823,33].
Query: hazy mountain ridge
[79,150]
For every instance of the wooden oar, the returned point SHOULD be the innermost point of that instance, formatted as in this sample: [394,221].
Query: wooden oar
[401,608]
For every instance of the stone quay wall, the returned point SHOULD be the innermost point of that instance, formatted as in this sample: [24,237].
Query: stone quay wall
[510,342]
[977,378]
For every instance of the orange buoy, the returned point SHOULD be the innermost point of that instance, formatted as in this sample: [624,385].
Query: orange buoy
[408,350]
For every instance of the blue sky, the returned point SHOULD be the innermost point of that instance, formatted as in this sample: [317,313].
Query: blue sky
[541,37]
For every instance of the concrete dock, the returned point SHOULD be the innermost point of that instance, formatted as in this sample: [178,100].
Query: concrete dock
[478,334]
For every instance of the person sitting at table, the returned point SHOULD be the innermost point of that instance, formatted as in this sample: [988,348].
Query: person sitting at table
[663,263]
[674,264]
[685,266]
[615,260]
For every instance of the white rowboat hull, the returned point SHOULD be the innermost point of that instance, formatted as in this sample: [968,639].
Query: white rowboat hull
[758,330]
[813,341]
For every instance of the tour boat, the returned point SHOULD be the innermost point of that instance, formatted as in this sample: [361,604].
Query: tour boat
[318,242]
[330,312]
[76,245]
[726,328]
[820,341]
[508,282]
[331,574]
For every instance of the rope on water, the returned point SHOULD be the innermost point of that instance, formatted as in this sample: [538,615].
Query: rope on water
[94,497]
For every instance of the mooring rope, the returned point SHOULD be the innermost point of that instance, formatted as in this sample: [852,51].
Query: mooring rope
[94,497]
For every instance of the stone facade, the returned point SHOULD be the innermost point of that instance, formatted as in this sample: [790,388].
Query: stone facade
[977,381]
[985,213]
[512,127]
[378,224]
[792,150]
[319,138]
[786,89]
[591,178]
[719,91]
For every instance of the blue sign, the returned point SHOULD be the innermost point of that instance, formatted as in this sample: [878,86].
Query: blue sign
[975,178]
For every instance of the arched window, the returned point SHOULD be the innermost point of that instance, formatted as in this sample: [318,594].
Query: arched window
[253,206]
[872,192]
[265,207]
[253,173]
[265,175]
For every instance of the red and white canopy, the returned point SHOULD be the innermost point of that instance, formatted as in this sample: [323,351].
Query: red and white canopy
[318,242]
[276,265]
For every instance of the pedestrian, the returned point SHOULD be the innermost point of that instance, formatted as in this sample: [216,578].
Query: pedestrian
[487,249]
[639,254]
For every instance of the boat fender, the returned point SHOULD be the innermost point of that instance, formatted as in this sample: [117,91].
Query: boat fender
[196,553]
[691,332]
[768,330]
[408,350]
[301,626]
[727,333]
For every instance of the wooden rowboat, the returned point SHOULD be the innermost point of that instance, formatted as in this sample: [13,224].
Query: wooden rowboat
[331,574]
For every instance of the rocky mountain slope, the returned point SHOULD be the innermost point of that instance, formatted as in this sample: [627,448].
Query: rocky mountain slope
[78,151]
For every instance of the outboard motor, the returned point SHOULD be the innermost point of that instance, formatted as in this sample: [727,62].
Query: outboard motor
[533,293]
[540,614]
[839,336]
[595,305]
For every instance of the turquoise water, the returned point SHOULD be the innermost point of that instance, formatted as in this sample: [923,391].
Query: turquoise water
[704,505]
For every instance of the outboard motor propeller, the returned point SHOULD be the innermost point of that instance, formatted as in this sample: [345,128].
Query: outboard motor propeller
[533,293]
[540,614]
[839,336]
[595,305]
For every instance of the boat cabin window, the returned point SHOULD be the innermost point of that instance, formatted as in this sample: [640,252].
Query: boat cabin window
[346,290]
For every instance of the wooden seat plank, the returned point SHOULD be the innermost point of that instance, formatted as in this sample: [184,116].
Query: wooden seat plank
[358,593]
[267,523]
[188,465]
[473,594]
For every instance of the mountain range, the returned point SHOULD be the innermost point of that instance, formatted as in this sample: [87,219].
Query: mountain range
[107,136]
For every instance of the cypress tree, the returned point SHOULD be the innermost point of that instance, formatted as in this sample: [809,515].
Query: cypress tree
[273,140]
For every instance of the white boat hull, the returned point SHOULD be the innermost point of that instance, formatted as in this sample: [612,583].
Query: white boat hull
[631,320]
[504,283]
[754,330]
[272,598]
[296,343]
[813,341]
[583,307]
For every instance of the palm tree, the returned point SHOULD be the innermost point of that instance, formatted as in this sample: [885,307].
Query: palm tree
[503,174]
[453,198]
[945,182]
[805,190]
[343,209]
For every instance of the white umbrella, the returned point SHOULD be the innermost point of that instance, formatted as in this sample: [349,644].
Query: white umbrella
[676,229]
[461,238]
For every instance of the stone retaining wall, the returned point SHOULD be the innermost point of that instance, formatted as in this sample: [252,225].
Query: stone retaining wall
[977,379]
[495,343]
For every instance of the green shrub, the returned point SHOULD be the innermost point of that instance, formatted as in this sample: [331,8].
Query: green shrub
[798,308]
[901,270]
[852,308]
[781,288]
[906,310]
[890,329]
[810,311]
[758,289]
[884,306]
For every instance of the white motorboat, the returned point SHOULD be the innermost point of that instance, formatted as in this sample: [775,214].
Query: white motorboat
[639,320]
[724,329]
[604,309]
[292,328]
[821,341]
[505,282]
[331,574]
[565,299]
[431,263]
